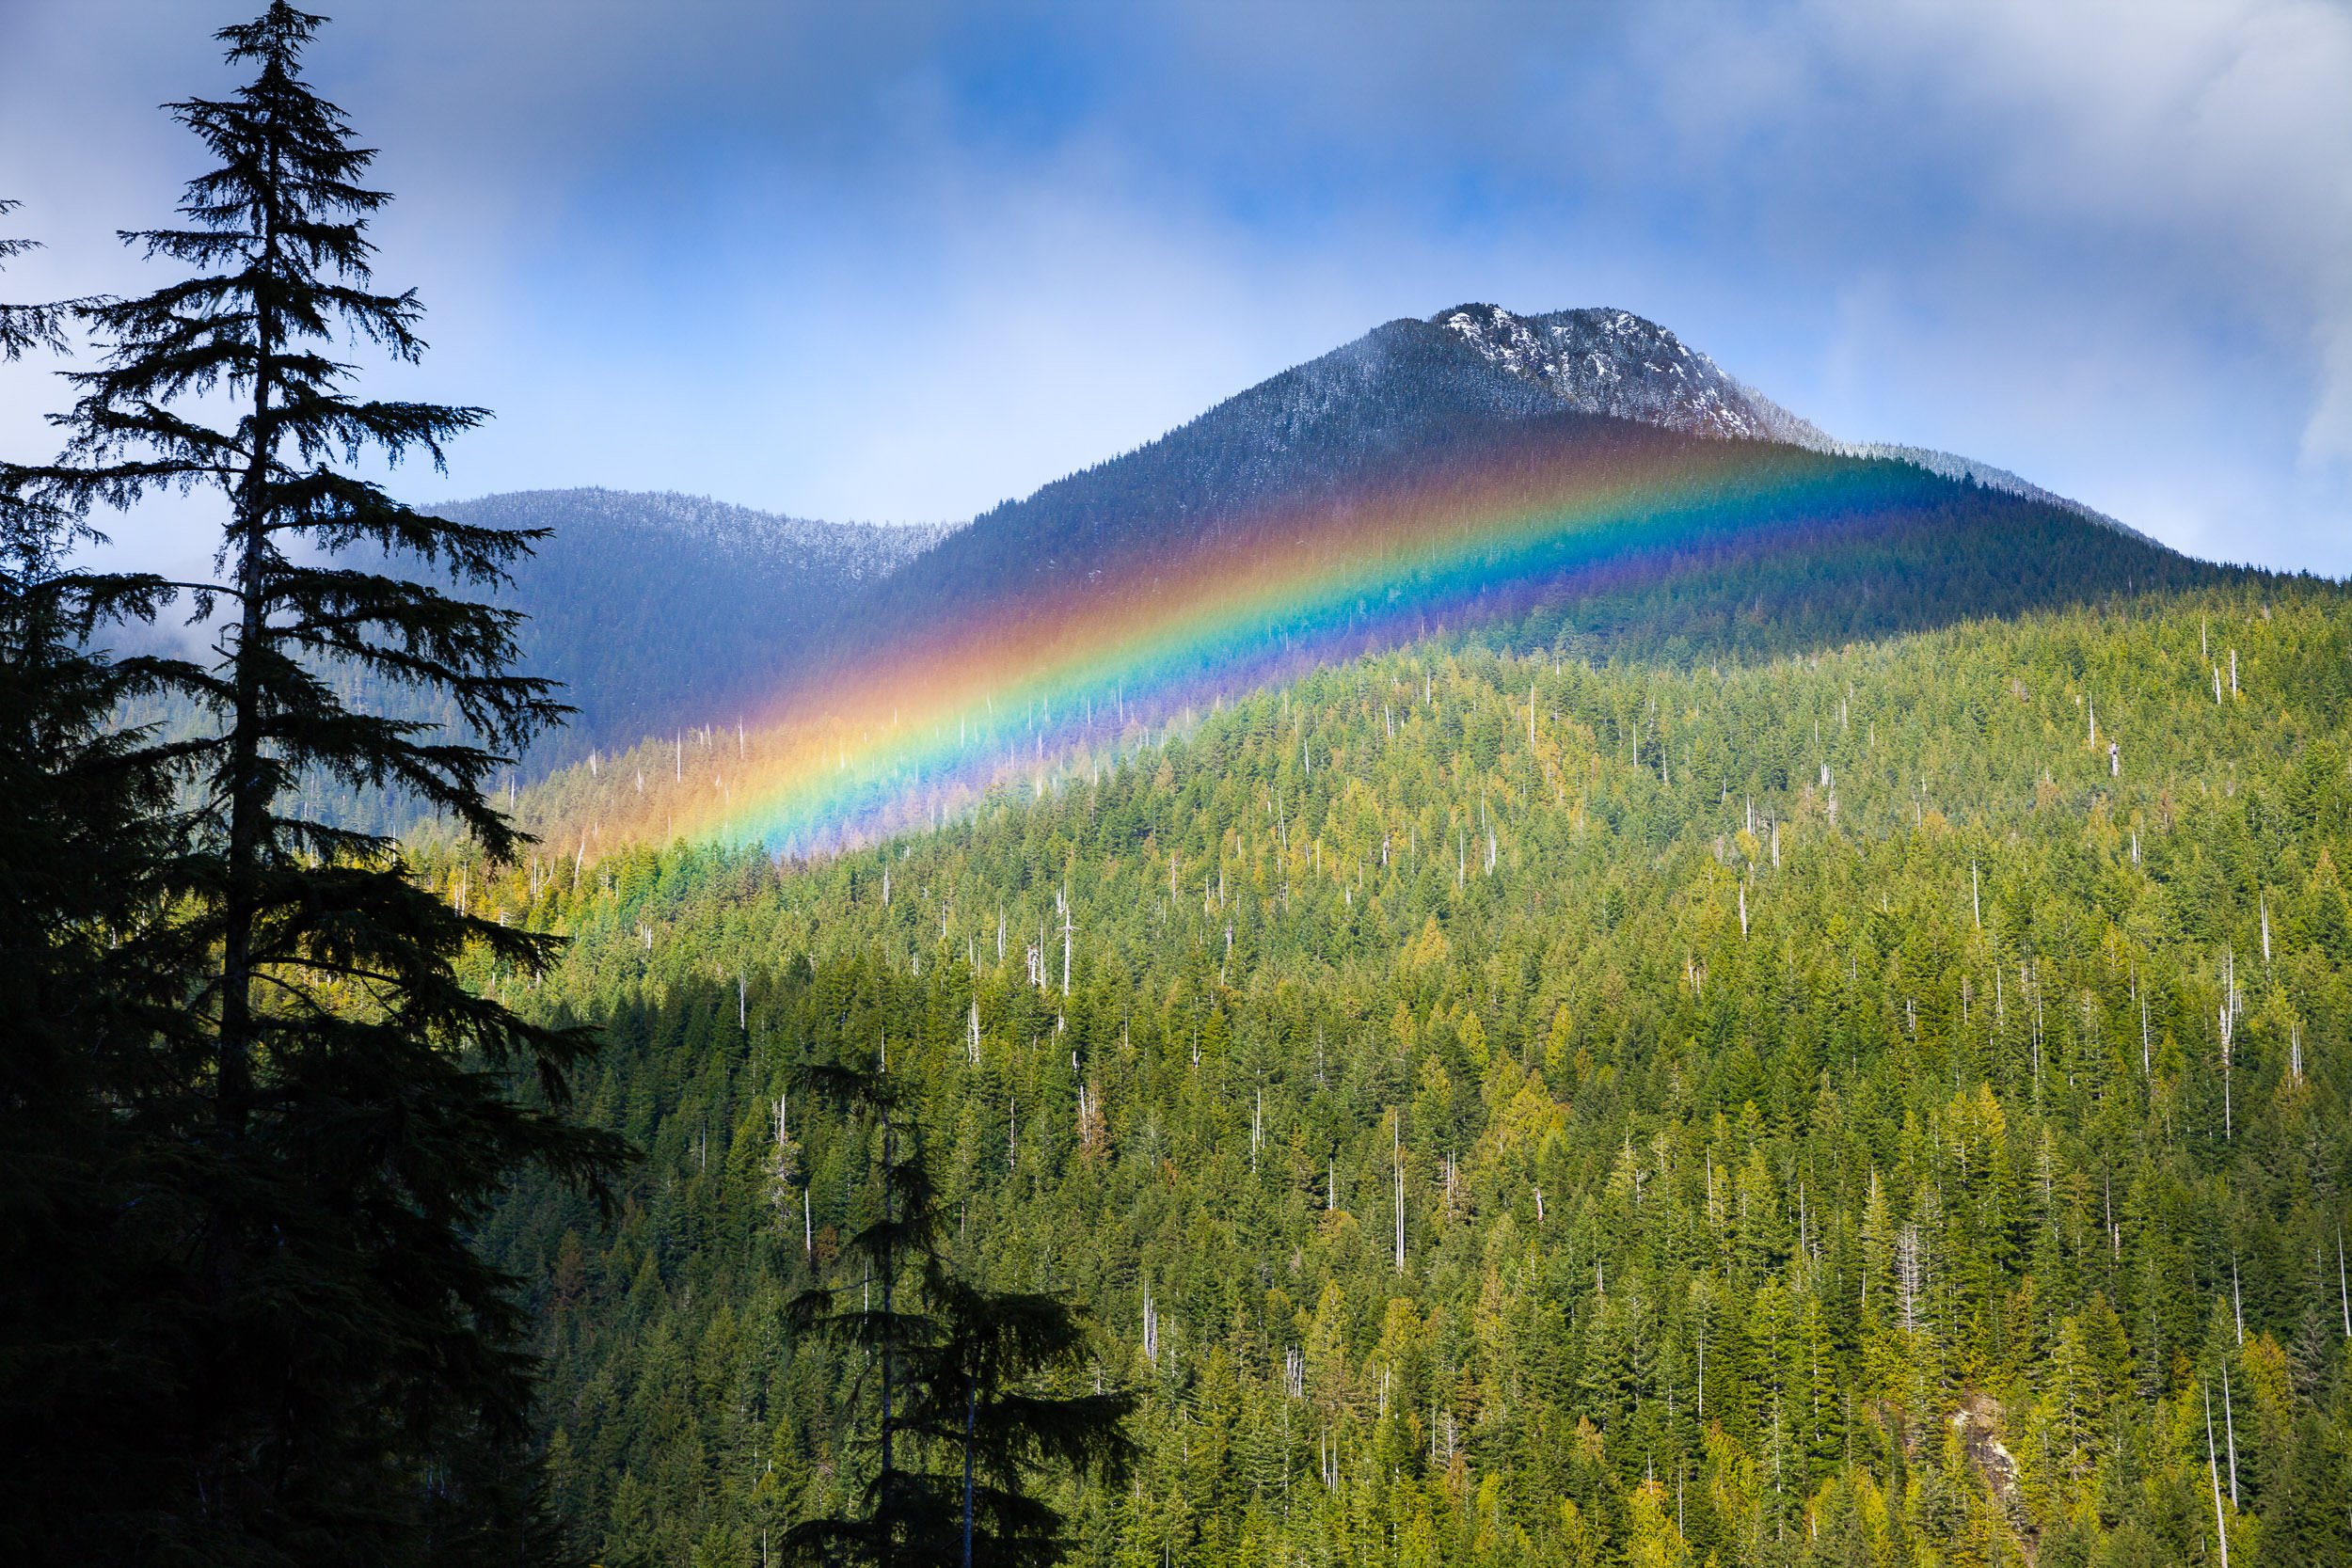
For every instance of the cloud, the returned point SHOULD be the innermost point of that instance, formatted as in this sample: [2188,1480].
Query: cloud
[905,260]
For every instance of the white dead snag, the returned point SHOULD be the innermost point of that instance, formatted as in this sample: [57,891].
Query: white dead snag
[1396,1157]
[2344,1292]
[2213,1474]
[2228,1131]
[2229,1431]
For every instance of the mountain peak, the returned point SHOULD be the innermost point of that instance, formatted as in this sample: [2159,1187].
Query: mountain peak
[1614,362]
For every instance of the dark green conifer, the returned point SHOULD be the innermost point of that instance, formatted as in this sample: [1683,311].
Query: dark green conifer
[349,1381]
[875,1306]
[986,1392]
[88,829]
[967,1417]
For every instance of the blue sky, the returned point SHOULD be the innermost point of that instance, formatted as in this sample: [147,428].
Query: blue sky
[903,261]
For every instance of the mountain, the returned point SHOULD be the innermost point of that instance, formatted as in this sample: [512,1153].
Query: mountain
[1572,972]
[1475,472]
[1408,394]
[669,612]
[657,609]
[653,609]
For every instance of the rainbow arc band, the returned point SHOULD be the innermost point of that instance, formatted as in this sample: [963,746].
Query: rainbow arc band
[911,733]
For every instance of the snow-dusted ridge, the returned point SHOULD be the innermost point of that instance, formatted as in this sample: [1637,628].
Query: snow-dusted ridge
[1616,363]
[857,551]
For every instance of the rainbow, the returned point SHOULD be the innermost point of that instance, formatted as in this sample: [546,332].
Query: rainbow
[913,729]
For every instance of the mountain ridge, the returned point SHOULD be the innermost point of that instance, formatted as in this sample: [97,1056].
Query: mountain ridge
[662,611]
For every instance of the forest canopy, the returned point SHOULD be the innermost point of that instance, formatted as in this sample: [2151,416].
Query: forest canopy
[1859,1107]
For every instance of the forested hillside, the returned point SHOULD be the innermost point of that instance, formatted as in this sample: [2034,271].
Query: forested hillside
[1887,1105]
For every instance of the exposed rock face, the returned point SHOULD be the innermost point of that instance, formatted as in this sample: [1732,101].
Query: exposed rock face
[1614,362]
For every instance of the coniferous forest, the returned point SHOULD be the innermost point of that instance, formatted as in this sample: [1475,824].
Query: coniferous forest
[1862,1106]
[1835,1051]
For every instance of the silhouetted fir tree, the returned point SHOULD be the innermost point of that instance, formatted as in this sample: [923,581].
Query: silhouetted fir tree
[26,327]
[901,1516]
[982,1394]
[348,1379]
[964,1423]
[85,997]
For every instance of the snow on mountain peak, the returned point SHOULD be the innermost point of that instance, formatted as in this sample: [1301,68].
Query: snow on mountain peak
[1614,362]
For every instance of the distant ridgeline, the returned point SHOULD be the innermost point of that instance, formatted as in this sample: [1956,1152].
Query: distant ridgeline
[1039,640]
[1883,1106]
[647,607]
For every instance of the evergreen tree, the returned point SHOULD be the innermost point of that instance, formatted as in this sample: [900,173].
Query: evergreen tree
[966,1420]
[983,1393]
[26,327]
[85,991]
[900,1517]
[347,1379]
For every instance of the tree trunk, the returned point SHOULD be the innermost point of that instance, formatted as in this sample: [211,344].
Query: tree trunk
[248,801]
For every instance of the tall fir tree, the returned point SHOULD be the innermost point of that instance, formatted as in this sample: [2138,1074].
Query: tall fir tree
[349,1378]
[29,327]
